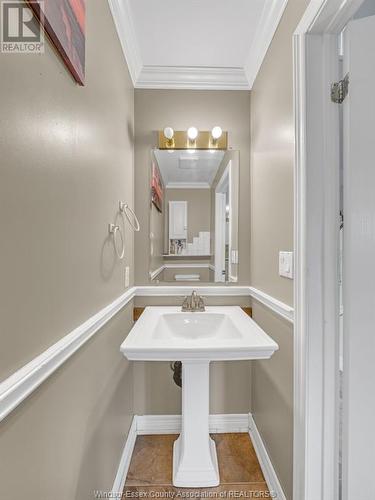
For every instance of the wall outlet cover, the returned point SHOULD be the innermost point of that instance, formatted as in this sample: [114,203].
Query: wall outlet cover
[286,264]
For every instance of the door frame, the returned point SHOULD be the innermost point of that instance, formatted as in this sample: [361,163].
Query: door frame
[220,216]
[316,246]
[219,236]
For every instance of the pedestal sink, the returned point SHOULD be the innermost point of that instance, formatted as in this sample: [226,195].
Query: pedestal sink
[196,339]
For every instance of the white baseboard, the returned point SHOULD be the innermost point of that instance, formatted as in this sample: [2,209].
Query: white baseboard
[265,461]
[235,422]
[126,456]
[158,424]
[171,424]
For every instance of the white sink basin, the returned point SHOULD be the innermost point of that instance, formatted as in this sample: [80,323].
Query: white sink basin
[198,326]
[219,333]
[196,338]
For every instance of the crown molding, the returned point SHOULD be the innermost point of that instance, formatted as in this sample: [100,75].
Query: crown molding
[192,77]
[271,16]
[123,20]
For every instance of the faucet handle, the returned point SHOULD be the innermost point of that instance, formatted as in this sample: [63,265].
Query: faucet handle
[185,303]
[201,304]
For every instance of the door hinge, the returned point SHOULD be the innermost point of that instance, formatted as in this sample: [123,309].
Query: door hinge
[339,90]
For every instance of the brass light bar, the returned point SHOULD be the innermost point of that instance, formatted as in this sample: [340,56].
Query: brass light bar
[204,140]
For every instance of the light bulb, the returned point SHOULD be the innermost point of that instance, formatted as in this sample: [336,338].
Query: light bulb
[192,133]
[216,133]
[168,133]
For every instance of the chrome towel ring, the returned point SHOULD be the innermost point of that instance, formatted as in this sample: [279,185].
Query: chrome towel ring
[113,229]
[130,215]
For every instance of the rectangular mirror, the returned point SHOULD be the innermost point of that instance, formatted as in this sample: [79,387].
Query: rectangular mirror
[194,216]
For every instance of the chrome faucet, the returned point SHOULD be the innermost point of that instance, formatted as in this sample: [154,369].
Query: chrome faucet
[193,303]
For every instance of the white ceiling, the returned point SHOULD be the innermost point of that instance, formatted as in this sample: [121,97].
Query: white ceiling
[197,44]
[188,169]
[195,32]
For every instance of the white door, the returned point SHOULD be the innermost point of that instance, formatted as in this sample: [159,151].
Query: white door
[178,220]
[359,263]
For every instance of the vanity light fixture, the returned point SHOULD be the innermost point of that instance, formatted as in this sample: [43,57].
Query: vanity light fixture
[216,133]
[192,138]
[192,133]
[168,133]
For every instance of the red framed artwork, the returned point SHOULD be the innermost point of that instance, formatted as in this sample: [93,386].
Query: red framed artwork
[157,192]
[64,23]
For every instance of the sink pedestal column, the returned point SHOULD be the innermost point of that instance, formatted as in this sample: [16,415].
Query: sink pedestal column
[194,452]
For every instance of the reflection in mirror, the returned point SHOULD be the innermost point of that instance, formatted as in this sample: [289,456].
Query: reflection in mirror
[194,216]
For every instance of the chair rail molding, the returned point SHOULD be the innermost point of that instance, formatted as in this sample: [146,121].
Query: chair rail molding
[283,310]
[187,266]
[154,274]
[181,291]
[24,381]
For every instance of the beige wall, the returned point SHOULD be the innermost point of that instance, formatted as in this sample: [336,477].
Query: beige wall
[66,160]
[154,109]
[272,396]
[272,156]
[272,159]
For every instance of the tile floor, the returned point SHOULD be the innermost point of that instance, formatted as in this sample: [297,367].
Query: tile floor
[150,471]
